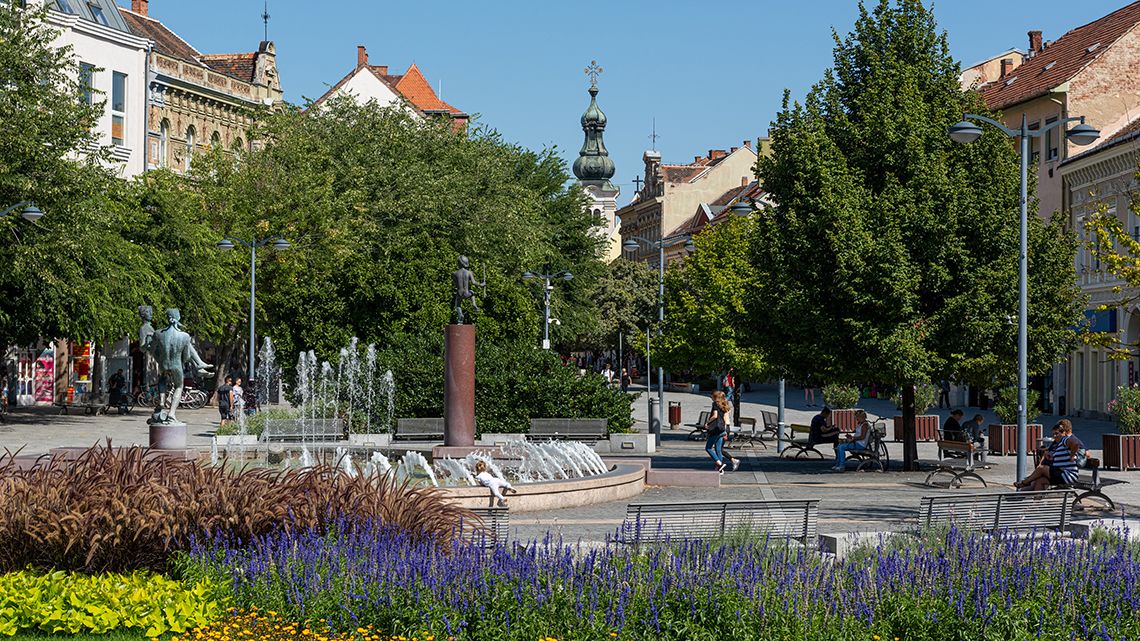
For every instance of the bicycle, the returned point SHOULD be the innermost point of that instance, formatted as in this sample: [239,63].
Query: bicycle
[192,397]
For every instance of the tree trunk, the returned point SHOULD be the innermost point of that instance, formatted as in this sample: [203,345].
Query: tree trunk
[910,437]
[222,367]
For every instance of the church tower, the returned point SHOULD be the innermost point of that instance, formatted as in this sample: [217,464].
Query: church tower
[594,168]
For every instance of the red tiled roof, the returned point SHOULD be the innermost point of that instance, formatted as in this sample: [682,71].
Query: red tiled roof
[166,41]
[752,191]
[681,173]
[1061,60]
[413,86]
[238,65]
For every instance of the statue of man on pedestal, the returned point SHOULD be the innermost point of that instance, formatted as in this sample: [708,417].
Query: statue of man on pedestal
[146,336]
[172,349]
[464,281]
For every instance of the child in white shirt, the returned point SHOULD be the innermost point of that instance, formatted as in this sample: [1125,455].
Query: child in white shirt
[496,484]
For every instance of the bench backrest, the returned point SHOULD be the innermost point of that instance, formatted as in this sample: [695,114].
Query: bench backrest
[770,419]
[279,429]
[419,428]
[494,526]
[1005,511]
[577,429]
[705,520]
[703,418]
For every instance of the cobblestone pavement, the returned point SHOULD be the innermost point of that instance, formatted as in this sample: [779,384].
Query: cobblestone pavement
[850,501]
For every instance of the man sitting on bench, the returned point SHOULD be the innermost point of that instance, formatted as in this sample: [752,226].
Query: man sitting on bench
[822,431]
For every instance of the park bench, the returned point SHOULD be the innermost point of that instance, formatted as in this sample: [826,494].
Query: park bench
[699,433]
[418,429]
[586,430]
[750,437]
[1090,486]
[771,423]
[493,527]
[956,459]
[662,522]
[1004,511]
[296,429]
[800,445]
[89,409]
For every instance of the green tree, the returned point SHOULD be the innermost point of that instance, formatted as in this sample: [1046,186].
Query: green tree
[626,298]
[1119,254]
[892,252]
[73,273]
[706,314]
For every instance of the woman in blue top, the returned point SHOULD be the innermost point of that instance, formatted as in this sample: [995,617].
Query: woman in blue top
[1060,465]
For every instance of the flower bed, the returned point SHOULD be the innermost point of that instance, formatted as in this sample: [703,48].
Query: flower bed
[956,586]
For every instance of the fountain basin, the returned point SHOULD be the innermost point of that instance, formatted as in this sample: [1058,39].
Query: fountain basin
[623,481]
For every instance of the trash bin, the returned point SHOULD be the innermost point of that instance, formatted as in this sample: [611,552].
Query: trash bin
[674,414]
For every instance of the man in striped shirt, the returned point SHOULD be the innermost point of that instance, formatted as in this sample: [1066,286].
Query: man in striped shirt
[1060,465]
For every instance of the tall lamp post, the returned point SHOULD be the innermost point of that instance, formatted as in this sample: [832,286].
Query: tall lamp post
[966,132]
[631,244]
[227,244]
[30,213]
[546,289]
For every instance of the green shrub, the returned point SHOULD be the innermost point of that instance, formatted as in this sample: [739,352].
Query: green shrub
[925,397]
[840,396]
[75,603]
[1006,406]
[1125,408]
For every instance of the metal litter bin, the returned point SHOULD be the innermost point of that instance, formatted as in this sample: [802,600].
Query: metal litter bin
[674,414]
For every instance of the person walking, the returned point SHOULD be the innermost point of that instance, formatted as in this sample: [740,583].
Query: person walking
[809,393]
[238,396]
[732,383]
[717,427]
[225,399]
[626,380]
[608,374]
[944,394]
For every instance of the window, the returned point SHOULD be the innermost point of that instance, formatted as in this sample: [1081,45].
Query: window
[97,13]
[86,82]
[163,142]
[216,140]
[189,146]
[65,6]
[118,108]
[1034,152]
[1050,140]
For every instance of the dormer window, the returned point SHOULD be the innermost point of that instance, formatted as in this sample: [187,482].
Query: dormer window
[97,13]
[1092,48]
[65,6]
[1050,65]
[1010,81]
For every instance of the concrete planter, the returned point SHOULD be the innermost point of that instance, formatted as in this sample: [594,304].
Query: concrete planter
[627,444]
[168,437]
[1003,438]
[925,427]
[370,440]
[236,439]
[1121,451]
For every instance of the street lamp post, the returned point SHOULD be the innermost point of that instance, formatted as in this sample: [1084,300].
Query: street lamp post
[966,132]
[546,289]
[276,242]
[630,244]
[31,213]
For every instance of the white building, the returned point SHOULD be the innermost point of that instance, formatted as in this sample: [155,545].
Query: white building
[114,62]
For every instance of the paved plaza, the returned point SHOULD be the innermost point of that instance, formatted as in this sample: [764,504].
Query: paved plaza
[850,501]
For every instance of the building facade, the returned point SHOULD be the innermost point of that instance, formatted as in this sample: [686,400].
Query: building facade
[594,168]
[112,64]
[411,90]
[1105,179]
[670,194]
[197,100]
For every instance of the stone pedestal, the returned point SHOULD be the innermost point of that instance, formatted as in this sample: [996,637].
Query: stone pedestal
[168,437]
[459,386]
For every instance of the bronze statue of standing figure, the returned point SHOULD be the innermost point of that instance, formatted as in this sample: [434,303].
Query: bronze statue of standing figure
[464,282]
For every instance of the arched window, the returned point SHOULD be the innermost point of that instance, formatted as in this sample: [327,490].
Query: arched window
[216,140]
[238,147]
[163,142]
[190,133]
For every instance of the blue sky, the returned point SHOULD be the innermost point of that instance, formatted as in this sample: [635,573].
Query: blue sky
[711,73]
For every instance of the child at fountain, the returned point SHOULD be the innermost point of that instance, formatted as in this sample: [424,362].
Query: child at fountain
[494,483]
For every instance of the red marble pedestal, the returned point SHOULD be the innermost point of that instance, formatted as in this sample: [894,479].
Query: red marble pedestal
[459,386]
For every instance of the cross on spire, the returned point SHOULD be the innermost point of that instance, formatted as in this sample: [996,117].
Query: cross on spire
[593,71]
[265,19]
[653,136]
[637,182]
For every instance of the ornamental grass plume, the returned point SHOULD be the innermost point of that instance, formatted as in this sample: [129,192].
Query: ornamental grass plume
[117,509]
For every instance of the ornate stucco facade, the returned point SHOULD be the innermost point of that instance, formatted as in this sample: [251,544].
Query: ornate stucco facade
[197,100]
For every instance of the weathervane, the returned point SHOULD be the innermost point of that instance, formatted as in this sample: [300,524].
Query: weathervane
[653,136]
[593,71]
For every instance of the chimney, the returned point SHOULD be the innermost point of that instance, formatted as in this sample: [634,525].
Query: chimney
[716,153]
[1035,42]
[748,144]
[382,69]
[361,56]
[697,159]
[1006,67]
[744,181]
[139,6]
[732,150]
